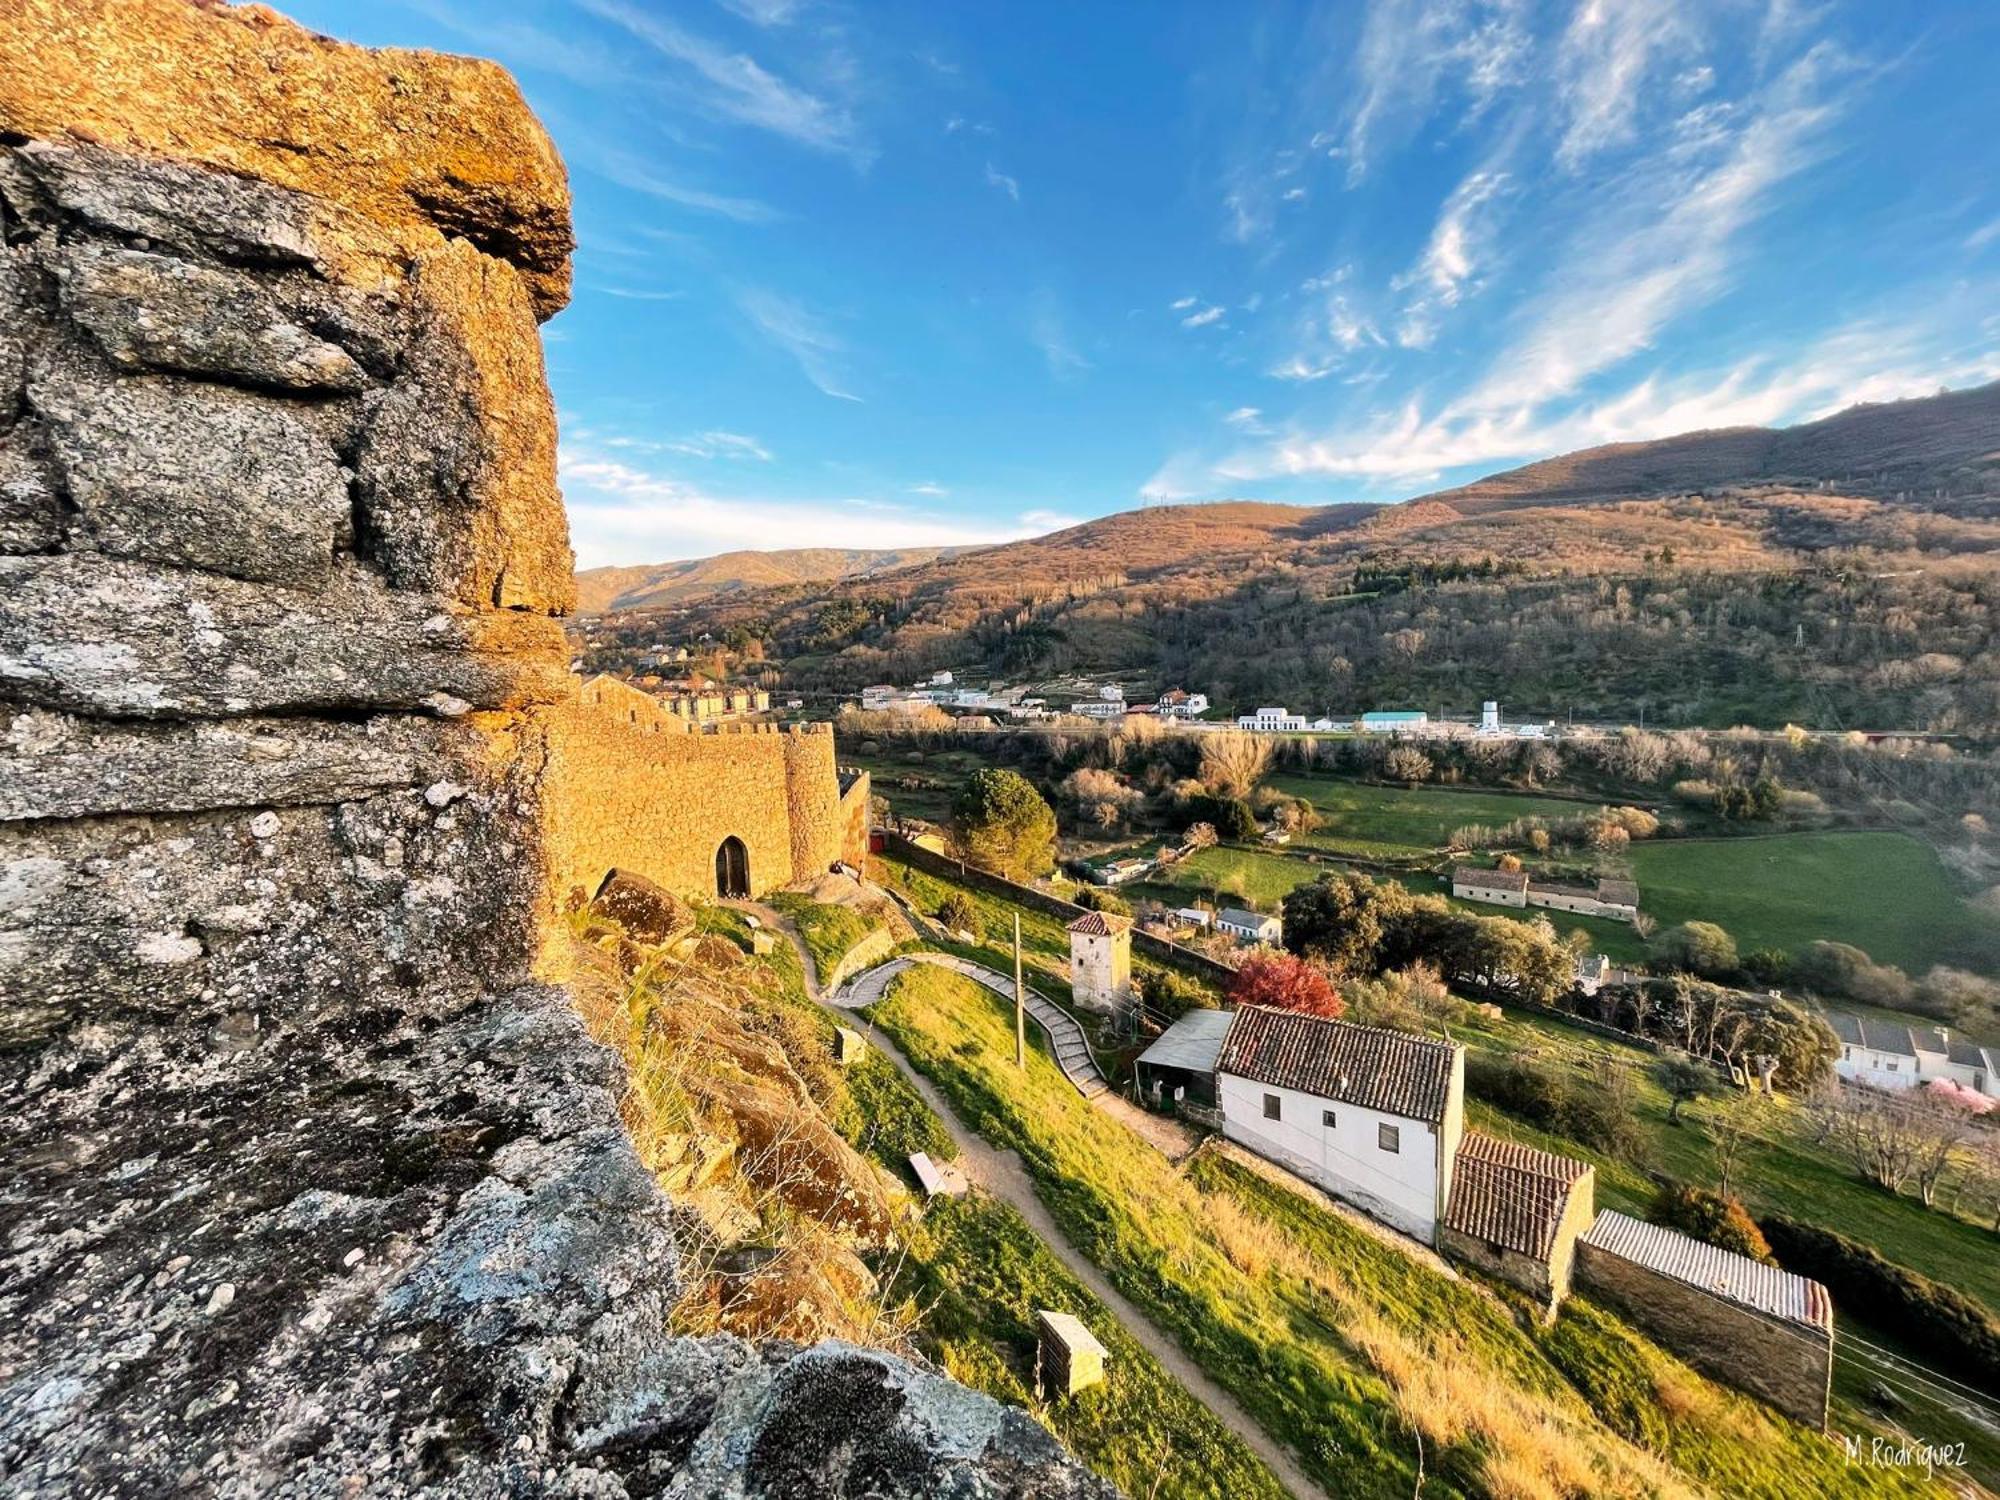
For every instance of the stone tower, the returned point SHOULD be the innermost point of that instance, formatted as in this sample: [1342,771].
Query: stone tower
[1100,961]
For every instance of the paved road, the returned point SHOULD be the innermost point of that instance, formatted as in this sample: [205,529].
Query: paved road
[1001,1174]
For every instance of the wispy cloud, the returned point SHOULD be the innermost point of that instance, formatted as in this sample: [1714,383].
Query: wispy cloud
[1608,54]
[931,489]
[1000,180]
[623,513]
[1410,51]
[1050,334]
[1448,268]
[736,86]
[1203,318]
[629,172]
[801,335]
[1638,265]
[764,12]
[636,294]
[1246,419]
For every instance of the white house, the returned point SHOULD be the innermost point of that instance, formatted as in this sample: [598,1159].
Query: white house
[1886,1055]
[1099,708]
[1249,926]
[1176,703]
[1616,899]
[1373,1116]
[1395,721]
[1272,720]
[879,696]
[1194,916]
[1495,887]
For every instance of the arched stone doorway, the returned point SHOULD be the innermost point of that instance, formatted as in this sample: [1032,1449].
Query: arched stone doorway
[732,868]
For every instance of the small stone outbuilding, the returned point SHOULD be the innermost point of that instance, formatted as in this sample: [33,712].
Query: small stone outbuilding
[1071,1358]
[1762,1330]
[1515,1213]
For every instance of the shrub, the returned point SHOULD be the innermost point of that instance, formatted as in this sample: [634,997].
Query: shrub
[1696,947]
[1585,1112]
[1843,971]
[1230,817]
[1722,1222]
[960,913]
[1001,823]
[1173,994]
[1943,1325]
[1097,898]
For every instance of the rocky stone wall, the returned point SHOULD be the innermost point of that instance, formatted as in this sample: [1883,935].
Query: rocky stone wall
[306,1186]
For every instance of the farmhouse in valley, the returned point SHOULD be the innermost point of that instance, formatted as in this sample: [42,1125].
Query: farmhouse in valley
[1890,1055]
[1371,1115]
[1249,926]
[1617,900]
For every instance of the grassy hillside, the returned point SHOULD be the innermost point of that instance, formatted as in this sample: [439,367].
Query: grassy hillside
[646,586]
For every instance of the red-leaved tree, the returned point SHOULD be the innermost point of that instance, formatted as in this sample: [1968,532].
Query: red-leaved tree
[1286,982]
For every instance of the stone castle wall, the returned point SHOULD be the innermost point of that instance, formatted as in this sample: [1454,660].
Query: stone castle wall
[618,794]
[309,1187]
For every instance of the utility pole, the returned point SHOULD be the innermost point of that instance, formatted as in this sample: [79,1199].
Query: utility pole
[1020,1002]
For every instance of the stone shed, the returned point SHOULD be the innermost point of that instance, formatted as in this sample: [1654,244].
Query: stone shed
[1183,1058]
[1515,1213]
[1763,1330]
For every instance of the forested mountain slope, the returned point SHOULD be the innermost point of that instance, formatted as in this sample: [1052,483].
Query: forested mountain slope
[1845,572]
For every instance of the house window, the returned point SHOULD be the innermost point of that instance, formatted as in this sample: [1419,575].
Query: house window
[1270,1106]
[1890,1066]
[1389,1137]
[1326,1118]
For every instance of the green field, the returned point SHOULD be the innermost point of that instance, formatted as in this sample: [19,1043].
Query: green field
[1390,822]
[1264,878]
[1366,1361]
[1884,892]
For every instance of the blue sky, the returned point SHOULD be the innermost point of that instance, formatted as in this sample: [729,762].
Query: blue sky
[890,274]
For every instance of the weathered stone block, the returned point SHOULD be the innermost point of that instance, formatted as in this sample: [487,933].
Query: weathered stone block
[31,513]
[90,634]
[457,467]
[198,475]
[155,312]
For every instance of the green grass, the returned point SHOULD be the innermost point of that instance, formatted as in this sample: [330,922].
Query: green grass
[830,932]
[1398,822]
[1338,1344]
[1885,892]
[977,1274]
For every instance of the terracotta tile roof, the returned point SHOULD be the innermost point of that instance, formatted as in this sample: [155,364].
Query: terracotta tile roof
[1098,924]
[1389,1071]
[1722,1273]
[1508,1194]
[1489,880]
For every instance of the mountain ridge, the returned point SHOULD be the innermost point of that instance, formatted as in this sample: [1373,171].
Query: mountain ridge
[689,580]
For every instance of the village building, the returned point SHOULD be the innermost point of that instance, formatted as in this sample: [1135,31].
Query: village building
[1372,1116]
[1891,1055]
[1494,887]
[1763,1330]
[1100,961]
[1194,916]
[1272,720]
[1179,1067]
[1617,900]
[1515,1213]
[1099,708]
[1249,926]
[1395,721]
[1178,703]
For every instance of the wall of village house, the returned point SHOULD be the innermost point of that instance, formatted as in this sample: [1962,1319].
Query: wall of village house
[1786,1364]
[1401,1188]
[1490,897]
[616,792]
[1877,1069]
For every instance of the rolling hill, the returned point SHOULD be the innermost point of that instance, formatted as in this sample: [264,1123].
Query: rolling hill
[1838,572]
[660,585]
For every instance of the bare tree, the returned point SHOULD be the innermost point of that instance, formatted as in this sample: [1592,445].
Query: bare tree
[1233,762]
[1732,1125]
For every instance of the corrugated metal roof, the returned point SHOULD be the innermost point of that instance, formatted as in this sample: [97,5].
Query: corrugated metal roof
[1192,1043]
[1236,916]
[1509,1194]
[1722,1273]
[1391,1071]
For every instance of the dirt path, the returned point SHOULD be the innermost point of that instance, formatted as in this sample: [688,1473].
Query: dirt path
[1001,1174]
